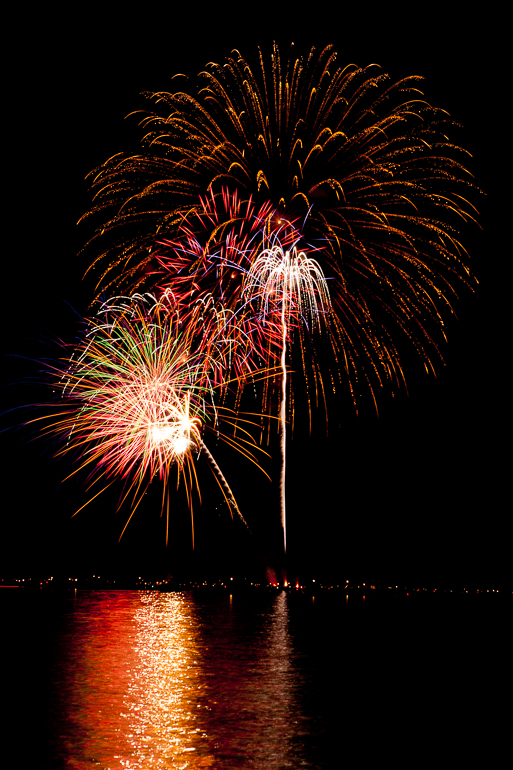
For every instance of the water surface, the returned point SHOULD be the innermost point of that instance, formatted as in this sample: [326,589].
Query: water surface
[154,680]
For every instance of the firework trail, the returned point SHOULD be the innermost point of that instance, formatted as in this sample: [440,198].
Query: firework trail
[292,285]
[137,393]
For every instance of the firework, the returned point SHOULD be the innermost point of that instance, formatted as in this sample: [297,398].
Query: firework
[367,159]
[207,260]
[137,394]
[361,167]
[287,284]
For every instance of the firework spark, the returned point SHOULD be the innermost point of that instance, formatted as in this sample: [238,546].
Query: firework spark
[137,394]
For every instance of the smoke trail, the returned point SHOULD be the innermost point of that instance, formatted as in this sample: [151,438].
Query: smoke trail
[222,482]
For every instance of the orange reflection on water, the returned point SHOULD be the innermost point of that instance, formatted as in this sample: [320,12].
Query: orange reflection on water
[135,698]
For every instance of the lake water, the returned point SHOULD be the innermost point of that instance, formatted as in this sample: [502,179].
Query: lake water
[148,680]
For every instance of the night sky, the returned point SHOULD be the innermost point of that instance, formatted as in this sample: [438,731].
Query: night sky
[417,495]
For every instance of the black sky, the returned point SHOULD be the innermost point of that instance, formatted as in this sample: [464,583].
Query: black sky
[421,493]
